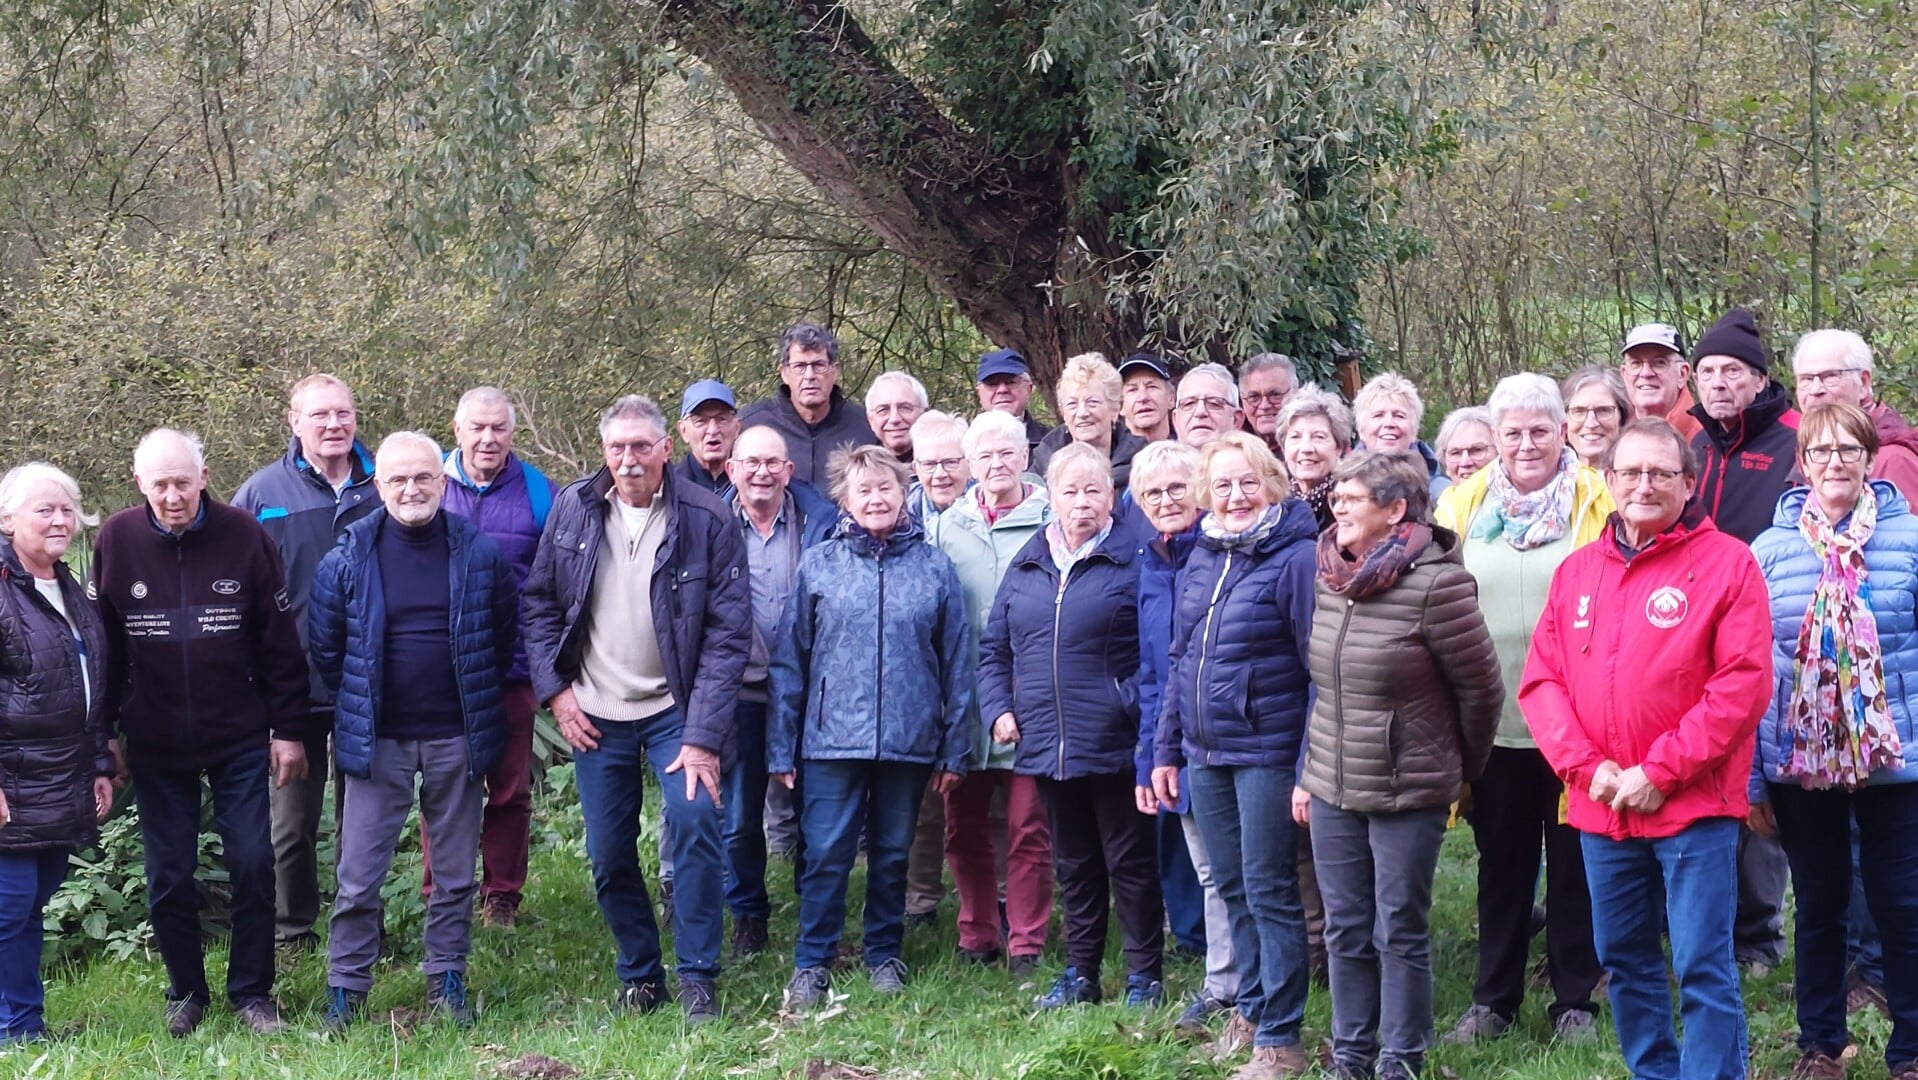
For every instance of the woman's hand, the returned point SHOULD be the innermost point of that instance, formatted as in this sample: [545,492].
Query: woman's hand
[102,797]
[1005,729]
[6,812]
[1165,784]
[1301,806]
[945,782]
[783,779]
[1145,799]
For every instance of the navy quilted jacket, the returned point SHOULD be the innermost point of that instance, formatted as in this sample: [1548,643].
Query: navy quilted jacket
[346,635]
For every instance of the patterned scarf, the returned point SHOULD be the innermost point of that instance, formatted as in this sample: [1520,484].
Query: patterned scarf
[1318,496]
[1840,723]
[1210,528]
[1528,521]
[1368,575]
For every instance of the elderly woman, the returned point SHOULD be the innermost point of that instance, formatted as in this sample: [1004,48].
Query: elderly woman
[1314,432]
[1408,699]
[1232,725]
[1519,518]
[869,695]
[1058,674]
[1596,407]
[1840,743]
[1464,442]
[1388,411]
[939,467]
[1090,392]
[55,786]
[982,534]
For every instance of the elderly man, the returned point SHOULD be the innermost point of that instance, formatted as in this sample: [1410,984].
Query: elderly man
[894,401]
[1207,405]
[1656,765]
[638,622]
[809,411]
[1836,366]
[508,500]
[412,625]
[940,470]
[1265,381]
[1146,396]
[205,679]
[1652,362]
[305,500]
[708,424]
[1004,383]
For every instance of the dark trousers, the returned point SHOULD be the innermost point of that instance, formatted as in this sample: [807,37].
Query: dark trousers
[1103,850]
[1759,934]
[295,811]
[1515,811]
[1812,828]
[1179,886]
[841,797]
[169,804]
[506,825]
[28,879]
[745,815]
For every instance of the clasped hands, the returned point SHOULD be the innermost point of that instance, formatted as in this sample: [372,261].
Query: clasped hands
[1625,789]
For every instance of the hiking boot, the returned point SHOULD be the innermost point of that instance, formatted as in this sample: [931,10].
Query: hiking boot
[262,1017]
[1071,988]
[1024,966]
[976,957]
[499,913]
[1575,1026]
[1234,1039]
[1274,1062]
[642,996]
[1479,1022]
[889,977]
[697,1001]
[1817,1065]
[446,993]
[1197,1017]
[1143,992]
[1394,1069]
[808,988]
[343,1006]
[1345,1070]
[749,936]
[183,1016]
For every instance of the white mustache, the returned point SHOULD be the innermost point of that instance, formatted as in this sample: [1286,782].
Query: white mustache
[630,470]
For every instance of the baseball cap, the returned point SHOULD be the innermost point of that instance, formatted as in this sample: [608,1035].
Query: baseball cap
[1002,362]
[703,391]
[1661,334]
[1149,361]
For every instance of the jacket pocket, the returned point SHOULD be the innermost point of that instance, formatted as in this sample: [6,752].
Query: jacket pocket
[1394,744]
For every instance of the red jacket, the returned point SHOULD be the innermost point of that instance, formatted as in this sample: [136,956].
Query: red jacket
[1664,662]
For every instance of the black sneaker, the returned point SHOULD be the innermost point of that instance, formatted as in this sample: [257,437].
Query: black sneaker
[1143,992]
[1194,1021]
[749,936]
[1072,988]
[642,996]
[343,1007]
[808,988]
[446,993]
[262,1017]
[698,1001]
[889,977]
[1024,966]
[183,1017]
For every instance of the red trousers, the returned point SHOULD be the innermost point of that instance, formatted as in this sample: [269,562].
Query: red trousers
[970,851]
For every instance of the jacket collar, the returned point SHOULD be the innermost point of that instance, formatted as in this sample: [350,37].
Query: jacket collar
[1770,407]
[1117,548]
[1173,550]
[199,520]
[456,469]
[835,405]
[909,531]
[1891,503]
[1693,522]
[1296,523]
[362,460]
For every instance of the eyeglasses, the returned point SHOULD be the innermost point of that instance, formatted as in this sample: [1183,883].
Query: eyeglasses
[1466,453]
[1656,363]
[1264,397]
[1826,378]
[808,367]
[1822,455]
[751,465]
[1210,404]
[947,465]
[637,449]
[1578,414]
[711,420]
[1168,493]
[1244,485]
[419,480]
[1658,477]
[328,416]
[1339,499]
[1538,436]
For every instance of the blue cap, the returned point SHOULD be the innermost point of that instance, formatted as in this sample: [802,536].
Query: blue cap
[1149,361]
[703,391]
[1002,362]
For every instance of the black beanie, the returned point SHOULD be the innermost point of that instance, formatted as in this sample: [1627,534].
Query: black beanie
[1735,334]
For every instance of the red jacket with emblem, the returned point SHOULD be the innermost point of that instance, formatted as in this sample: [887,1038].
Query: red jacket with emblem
[1660,661]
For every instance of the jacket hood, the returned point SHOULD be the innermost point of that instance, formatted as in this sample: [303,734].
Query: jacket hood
[1891,504]
[1768,408]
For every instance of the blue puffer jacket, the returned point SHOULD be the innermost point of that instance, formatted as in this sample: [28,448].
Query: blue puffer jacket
[1240,691]
[346,633]
[1791,574]
[1160,560]
[868,663]
[1065,663]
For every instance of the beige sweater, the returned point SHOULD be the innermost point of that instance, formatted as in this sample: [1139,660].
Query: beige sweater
[622,676]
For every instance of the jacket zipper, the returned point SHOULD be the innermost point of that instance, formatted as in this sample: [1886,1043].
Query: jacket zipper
[1205,643]
[1058,707]
[1338,697]
[879,664]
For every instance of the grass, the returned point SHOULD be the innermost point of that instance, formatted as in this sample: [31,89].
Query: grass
[544,989]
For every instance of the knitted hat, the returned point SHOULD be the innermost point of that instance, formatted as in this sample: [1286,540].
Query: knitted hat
[1735,334]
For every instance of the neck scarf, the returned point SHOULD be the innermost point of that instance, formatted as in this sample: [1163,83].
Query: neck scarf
[1839,721]
[1528,521]
[1318,496]
[1379,568]
[1065,558]
[1239,541]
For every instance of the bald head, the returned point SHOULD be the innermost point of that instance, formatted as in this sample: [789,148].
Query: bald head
[170,467]
[760,471]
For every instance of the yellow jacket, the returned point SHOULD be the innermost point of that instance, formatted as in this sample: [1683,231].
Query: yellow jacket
[1591,503]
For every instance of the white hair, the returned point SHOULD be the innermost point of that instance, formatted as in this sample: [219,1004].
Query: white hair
[410,438]
[1458,418]
[1390,385]
[153,440]
[993,422]
[1162,457]
[1850,346]
[1078,455]
[486,395]
[1220,374]
[933,424]
[1313,400]
[1271,360]
[23,478]
[1526,390]
[633,407]
[918,388]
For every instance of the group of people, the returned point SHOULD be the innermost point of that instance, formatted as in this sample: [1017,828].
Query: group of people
[1220,655]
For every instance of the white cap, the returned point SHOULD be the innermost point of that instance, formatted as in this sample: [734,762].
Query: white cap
[1661,334]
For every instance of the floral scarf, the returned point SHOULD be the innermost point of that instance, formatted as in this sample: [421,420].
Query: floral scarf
[1839,721]
[1210,528]
[1528,521]
[1365,576]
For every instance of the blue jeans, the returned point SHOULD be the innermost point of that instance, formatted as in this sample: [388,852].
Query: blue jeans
[1699,869]
[746,816]
[28,879]
[610,786]
[840,797]
[1245,815]
[1812,826]
[1179,885]
[169,804]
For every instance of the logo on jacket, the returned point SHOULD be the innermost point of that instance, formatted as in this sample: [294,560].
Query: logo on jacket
[1666,607]
[139,590]
[226,586]
[1584,612]
[1755,462]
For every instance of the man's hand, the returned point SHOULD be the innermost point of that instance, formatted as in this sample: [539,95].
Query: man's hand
[700,766]
[287,759]
[783,779]
[119,753]
[1005,729]
[1301,806]
[1605,782]
[1636,793]
[945,782]
[1145,799]
[579,731]
[1165,784]
[1761,820]
[102,797]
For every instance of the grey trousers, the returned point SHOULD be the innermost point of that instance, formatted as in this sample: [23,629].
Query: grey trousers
[295,813]
[926,859]
[1375,872]
[372,817]
[1758,934]
[1221,974]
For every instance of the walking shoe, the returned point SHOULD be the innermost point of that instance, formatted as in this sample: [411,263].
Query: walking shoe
[446,993]
[642,995]
[262,1017]
[1274,1062]
[1143,992]
[807,989]
[697,1001]
[889,977]
[1193,1022]
[1479,1022]
[1235,1039]
[1817,1065]
[1394,1069]
[499,912]
[1024,965]
[343,1006]
[749,936]
[1345,1070]
[1071,988]
[1575,1026]
[183,1016]
[976,957]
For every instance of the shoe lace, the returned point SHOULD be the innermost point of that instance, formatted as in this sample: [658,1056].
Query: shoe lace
[695,994]
[894,967]
[453,989]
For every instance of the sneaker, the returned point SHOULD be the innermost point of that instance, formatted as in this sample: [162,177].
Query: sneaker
[183,1016]
[446,993]
[697,1001]
[642,996]
[976,957]
[807,989]
[1071,988]
[499,912]
[1479,1022]
[343,1006]
[889,977]
[1817,1065]
[749,936]
[1345,1070]
[1197,1017]
[262,1017]
[1575,1026]
[1235,1039]
[1024,965]
[1143,992]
